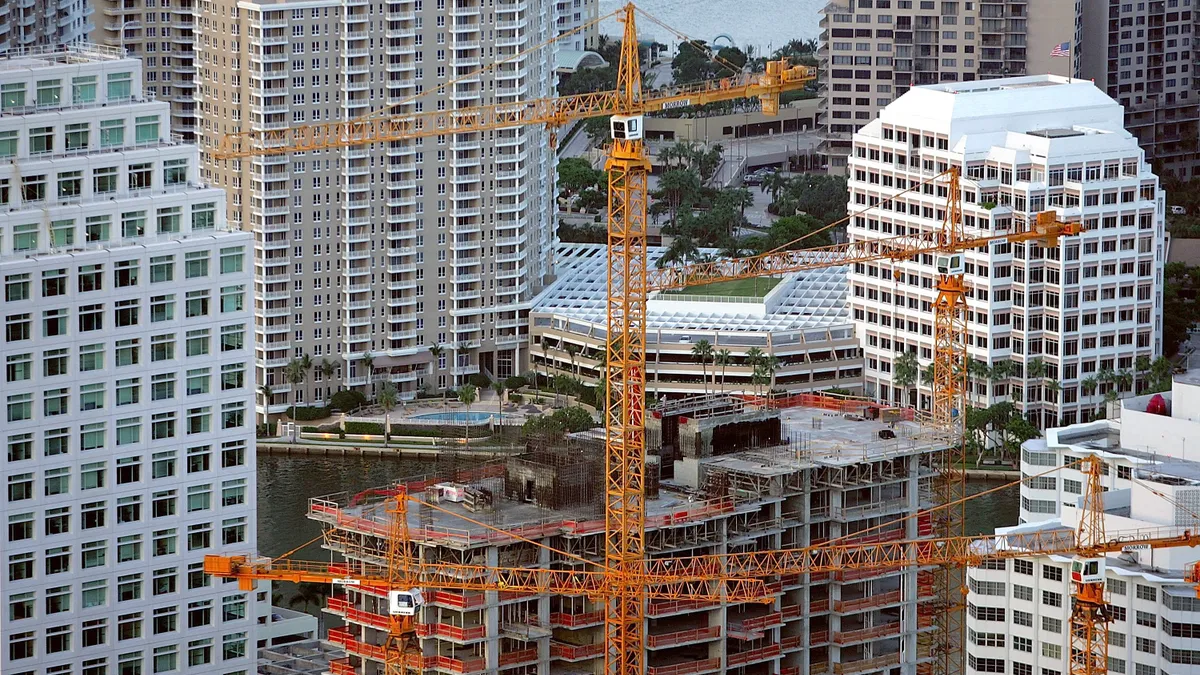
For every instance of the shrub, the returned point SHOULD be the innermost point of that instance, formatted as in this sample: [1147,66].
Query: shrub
[266,430]
[310,430]
[574,419]
[329,429]
[515,382]
[310,413]
[372,428]
[480,380]
[515,398]
[347,400]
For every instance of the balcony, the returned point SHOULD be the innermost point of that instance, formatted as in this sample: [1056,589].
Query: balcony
[573,653]
[682,637]
[686,668]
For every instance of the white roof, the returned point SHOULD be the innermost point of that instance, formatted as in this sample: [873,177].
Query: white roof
[1026,114]
[812,299]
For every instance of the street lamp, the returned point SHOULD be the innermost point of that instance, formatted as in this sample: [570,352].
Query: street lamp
[121,33]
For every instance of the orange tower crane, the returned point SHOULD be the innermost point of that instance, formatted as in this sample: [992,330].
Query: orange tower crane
[628,169]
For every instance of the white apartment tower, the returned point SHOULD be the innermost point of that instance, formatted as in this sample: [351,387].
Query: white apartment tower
[375,254]
[1060,316]
[1019,610]
[159,32]
[128,404]
[41,23]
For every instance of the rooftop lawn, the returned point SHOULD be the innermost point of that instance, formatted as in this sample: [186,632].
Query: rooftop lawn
[743,288]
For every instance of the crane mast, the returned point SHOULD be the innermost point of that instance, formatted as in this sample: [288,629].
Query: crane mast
[624,424]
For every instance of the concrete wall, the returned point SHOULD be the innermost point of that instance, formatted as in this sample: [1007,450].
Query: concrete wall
[1050,23]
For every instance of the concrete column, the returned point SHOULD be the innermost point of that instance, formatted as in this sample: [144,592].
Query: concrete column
[491,616]
[908,579]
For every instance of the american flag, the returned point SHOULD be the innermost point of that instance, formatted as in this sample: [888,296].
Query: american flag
[1061,49]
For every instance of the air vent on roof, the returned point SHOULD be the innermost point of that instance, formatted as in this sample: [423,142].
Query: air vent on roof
[1056,133]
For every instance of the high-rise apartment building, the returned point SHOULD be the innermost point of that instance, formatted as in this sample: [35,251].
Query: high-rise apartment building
[375,254]
[39,23]
[872,51]
[128,390]
[574,15]
[159,32]
[1019,610]
[1058,316]
[1141,53]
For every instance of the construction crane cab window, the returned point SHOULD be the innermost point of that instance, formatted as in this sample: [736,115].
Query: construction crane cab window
[1088,571]
[405,603]
[626,127]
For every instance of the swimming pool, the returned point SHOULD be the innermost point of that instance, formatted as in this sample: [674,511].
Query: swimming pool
[459,416]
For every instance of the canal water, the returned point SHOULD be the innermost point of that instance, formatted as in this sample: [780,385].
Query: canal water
[285,484]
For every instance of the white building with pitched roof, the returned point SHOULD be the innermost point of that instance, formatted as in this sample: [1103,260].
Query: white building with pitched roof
[1058,315]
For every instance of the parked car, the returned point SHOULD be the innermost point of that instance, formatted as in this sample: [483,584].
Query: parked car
[1178,211]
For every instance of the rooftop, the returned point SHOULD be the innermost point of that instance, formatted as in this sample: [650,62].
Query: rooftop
[310,657]
[46,56]
[803,300]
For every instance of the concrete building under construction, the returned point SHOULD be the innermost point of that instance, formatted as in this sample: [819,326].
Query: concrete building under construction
[725,477]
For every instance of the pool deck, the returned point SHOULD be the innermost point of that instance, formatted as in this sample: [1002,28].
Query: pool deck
[412,412]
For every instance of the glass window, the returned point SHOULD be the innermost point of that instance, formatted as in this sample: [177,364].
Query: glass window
[175,172]
[197,342]
[204,216]
[70,185]
[92,476]
[196,264]
[233,337]
[91,436]
[162,347]
[140,176]
[54,282]
[49,92]
[125,273]
[162,386]
[97,228]
[127,312]
[169,219]
[8,143]
[54,402]
[233,298]
[17,327]
[62,233]
[20,407]
[91,278]
[133,224]
[199,420]
[163,466]
[146,129]
[25,237]
[120,86]
[129,391]
[196,304]
[18,367]
[93,514]
[104,180]
[91,317]
[112,133]
[232,260]
[197,381]
[129,430]
[162,425]
[233,376]
[20,447]
[83,89]
[78,136]
[54,361]
[12,95]
[16,287]
[95,593]
[91,396]
[41,140]
[128,352]
[33,188]
[91,357]
[162,269]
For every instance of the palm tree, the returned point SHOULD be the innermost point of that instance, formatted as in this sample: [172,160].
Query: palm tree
[770,364]
[387,400]
[905,370]
[1088,384]
[326,369]
[759,378]
[703,350]
[498,387]
[1052,387]
[368,362]
[267,395]
[309,593]
[295,374]
[573,351]
[723,358]
[774,183]
[466,396]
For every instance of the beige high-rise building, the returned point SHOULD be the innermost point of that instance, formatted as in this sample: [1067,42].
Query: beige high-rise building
[575,14]
[41,23]
[159,32]
[872,51]
[367,257]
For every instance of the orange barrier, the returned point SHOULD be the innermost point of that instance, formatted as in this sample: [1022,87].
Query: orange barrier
[569,652]
[680,637]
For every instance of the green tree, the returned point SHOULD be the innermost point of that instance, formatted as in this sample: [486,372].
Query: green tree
[791,233]
[723,358]
[387,400]
[680,189]
[499,388]
[368,362]
[703,351]
[576,174]
[308,594]
[267,395]
[732,56]
[905,369]
[294,373]
[466,396]
[574,419]
[437,352]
